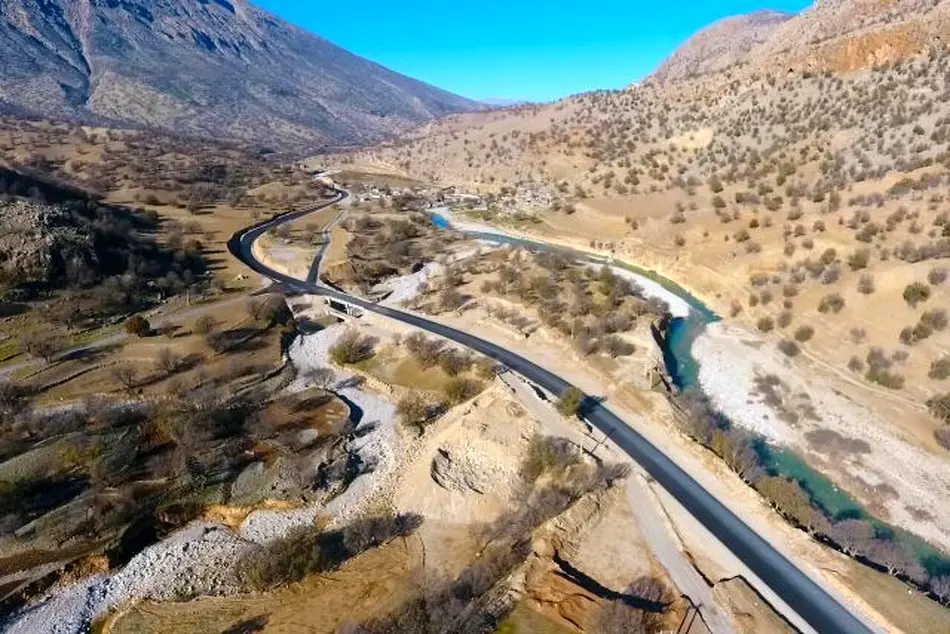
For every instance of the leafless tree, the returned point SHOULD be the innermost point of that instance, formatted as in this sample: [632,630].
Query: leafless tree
[127,375]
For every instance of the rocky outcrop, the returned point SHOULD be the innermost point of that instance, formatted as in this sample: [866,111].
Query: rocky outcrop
[39,243]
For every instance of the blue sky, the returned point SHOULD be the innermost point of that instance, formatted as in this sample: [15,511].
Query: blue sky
[519,49]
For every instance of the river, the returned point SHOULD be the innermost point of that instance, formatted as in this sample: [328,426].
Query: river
[683,369]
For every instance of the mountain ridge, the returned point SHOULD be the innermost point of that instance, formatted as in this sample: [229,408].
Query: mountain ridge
[212,68]
[721,44]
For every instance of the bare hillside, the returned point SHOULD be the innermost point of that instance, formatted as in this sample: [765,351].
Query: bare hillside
[721,45]
[849,35]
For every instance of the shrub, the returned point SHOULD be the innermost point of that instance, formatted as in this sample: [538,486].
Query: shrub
[939,407]
[789,347]
[617,346]
[548,454]
[916,293]
[718,202]
[425,350]
[866,285]
[828,257]
[311,549]
[855,364]
[766,324]
[940,369]
[935,319]
[204,325]
[414,411]
[831,303]
[804,333]
[454,362]
[570,402]
[859,259]
[937,276]
[459,390]
[906,336]
[138,326]
[831,275]
[351,348]
[167,361]
[785,319]
[886,378]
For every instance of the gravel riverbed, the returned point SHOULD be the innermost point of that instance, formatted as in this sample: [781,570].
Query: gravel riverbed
[859,450]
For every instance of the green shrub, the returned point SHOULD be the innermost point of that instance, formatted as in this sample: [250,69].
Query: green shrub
[916,293]
[547,454]
[570,402]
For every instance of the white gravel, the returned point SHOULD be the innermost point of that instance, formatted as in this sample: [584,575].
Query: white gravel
[731,358]
[200,559]
[377,447]
[405,287]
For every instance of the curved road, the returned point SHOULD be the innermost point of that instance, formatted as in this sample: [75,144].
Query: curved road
[795,587]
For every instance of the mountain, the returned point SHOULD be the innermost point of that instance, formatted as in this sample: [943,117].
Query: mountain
[831,35]
[502,102]
[851,35]
[202,67]
[721,45]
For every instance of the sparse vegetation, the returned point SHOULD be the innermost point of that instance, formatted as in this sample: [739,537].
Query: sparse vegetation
[916,294]
[352,347]
[570,401]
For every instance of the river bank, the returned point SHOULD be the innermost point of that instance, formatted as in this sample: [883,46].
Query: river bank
[829,454]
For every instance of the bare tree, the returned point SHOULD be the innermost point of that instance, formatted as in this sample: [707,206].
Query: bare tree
[854,537]
[414,411]
[126,375]
[167,361]
[42,346]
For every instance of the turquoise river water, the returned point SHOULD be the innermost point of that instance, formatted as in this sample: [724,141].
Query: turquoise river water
[684,370]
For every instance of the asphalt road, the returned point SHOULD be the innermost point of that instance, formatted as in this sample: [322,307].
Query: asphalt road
[795,587]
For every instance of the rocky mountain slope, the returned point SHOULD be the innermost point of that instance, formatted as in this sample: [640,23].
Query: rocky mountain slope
[850,35]
[205,67]
[721,45]
[835,35]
